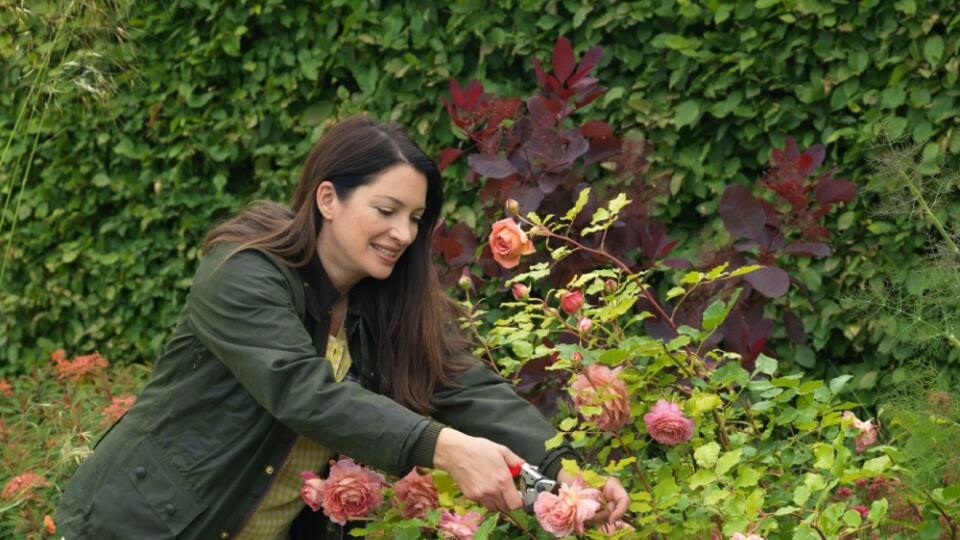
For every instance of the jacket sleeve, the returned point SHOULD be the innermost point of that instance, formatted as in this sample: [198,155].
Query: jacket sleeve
[488,406]
[242,310]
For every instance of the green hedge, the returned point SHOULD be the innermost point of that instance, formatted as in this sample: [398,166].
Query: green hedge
[209,104]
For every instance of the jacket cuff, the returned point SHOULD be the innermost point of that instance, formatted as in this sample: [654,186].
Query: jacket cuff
[554,463]
[421,455]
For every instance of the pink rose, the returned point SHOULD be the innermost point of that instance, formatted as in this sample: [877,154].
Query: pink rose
[667,424]
[414,494]
[350,490]
[567,511]
[312,490]
[867,431]
[741,536]
[600,386]
[508,243]
[571,302]
[457,527]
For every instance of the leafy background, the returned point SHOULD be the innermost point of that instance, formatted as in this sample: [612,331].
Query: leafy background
[145,125]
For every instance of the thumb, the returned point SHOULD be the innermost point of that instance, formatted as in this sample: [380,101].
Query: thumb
[512,459]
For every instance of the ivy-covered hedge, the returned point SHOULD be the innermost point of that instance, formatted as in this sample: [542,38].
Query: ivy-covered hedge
[155,121]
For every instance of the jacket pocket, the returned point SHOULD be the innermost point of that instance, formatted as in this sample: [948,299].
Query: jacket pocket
[162,486]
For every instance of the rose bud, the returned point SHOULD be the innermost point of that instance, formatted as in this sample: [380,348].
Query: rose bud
[577,357]
[512,206]
[465,282]
[584,324]
[571,302]
[609,286]
[521,291]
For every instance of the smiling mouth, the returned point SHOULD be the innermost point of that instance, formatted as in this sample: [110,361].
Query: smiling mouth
[389,253]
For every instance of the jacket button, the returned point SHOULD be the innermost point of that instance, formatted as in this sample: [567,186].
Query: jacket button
[170,509]
[224,534]
[141,472]
[269,469]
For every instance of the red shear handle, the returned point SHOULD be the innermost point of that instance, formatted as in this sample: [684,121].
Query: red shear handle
[515,470]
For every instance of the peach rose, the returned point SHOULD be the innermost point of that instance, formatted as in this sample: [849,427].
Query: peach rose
[414,494]
[457,527]
[508,243]
[667,425]
[312,490]
[350,490]
[741,536]
[567,511]
[600,386]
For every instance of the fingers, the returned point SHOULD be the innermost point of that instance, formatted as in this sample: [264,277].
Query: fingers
[617,499]
[511,458]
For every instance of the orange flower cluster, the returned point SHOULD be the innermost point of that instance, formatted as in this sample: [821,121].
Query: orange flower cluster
[79,367]
[117,408]
[49,524]
[22,485]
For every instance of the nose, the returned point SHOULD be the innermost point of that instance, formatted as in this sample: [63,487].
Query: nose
[403,234]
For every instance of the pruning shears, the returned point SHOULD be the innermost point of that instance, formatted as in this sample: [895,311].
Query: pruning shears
[532,483]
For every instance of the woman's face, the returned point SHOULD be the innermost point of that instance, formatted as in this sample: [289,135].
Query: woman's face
[365,234]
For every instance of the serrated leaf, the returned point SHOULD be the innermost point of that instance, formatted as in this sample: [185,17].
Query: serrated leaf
[878,510]
[765,364]
[675,292]
[578,206]
[877,464]
[801,495]
[837,383]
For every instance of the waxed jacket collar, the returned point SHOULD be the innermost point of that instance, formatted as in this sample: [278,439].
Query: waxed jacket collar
[321,295]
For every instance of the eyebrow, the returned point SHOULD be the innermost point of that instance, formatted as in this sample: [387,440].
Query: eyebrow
[398,202]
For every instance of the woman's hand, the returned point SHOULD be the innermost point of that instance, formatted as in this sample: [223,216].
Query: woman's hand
[614,504]
[480,467]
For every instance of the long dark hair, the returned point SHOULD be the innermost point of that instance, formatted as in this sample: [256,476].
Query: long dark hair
[415,329]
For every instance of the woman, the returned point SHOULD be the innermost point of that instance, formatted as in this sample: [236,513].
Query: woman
[309,331]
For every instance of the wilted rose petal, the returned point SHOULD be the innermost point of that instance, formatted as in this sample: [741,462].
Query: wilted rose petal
[508,242]
[49,524]
[414,494]
[867,431]
[600,386]
[568,510]
[667,425]
[457,527]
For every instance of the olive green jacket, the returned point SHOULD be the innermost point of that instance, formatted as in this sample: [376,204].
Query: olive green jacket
[239,379]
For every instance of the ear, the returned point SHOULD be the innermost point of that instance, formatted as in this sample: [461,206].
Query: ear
[326,199]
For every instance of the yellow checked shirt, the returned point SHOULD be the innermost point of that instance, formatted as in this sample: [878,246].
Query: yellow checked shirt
[282,503]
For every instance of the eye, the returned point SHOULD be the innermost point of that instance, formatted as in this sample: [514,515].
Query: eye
[415,219]
[385,211]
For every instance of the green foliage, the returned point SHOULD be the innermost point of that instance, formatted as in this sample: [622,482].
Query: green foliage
[154,123]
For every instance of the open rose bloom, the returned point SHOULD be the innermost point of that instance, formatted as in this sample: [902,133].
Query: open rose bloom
[667,425]
[457,527]
[350,491]
[414,494]
[741,536]
[600,386]
[508,242]
[567,511]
